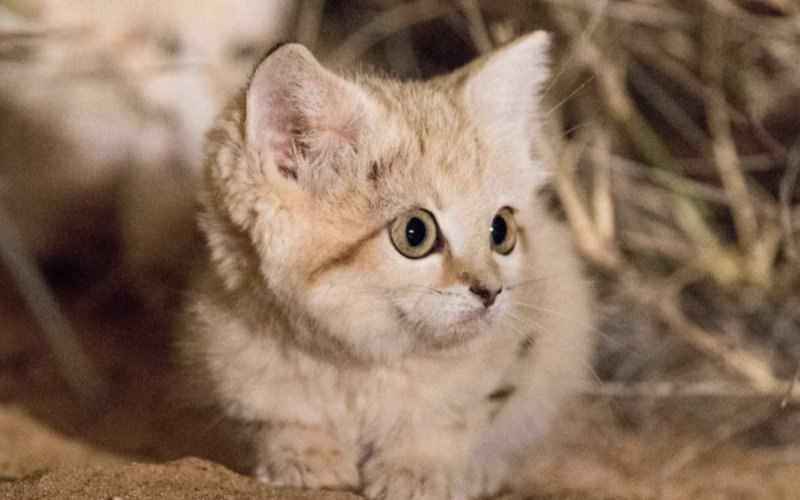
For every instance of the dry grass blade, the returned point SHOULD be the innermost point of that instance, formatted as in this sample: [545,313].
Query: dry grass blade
[755,371]
[600,250]
[669,181]
[308,23]
[660,16]
[787,187]
[791,392]
[476,25]
[602,202]
[722,433]
[723,148]
[671,110]
[703,389]
[387,23]
[622,110]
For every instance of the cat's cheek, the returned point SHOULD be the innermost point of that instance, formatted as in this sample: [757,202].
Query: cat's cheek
[349,309]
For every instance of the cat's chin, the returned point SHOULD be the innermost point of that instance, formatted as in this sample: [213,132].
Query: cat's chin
[469,329]
[479,316]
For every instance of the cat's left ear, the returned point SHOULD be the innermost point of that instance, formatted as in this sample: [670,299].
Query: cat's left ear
[303,121]
[505,88]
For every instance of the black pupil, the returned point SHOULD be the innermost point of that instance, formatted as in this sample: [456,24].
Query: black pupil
[415,231]
[499,230]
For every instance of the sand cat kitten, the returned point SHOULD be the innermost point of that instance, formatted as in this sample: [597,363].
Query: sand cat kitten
[383,294]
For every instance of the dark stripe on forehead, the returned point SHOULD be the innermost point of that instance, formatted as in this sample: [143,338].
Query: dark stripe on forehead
[378,169]
[343,258]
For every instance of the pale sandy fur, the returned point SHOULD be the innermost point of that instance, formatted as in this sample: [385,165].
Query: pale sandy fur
[364,369]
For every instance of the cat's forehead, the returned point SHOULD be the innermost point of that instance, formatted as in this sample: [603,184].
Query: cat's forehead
[424,107]
[425,125]
[434,148]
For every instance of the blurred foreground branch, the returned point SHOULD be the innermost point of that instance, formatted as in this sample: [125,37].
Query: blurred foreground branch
[76,368]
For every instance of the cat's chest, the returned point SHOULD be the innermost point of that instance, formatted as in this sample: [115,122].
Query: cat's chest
[267,381]
[427,392]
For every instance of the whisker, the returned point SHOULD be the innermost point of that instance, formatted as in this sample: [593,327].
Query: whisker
[530,282]
[430,289]
[520,333]
[594,22]
[551,311]
[549,340]
[581,125]
[408,288]
[590,369]
[540,279]
[572,320]
[525,321]
[519,326]
[570,95]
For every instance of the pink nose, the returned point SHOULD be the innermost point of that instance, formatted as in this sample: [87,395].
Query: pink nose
[486,295]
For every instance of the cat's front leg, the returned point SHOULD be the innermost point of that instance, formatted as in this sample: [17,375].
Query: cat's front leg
[292,454]
[412,471]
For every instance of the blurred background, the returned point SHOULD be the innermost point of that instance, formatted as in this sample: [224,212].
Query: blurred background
[675,150]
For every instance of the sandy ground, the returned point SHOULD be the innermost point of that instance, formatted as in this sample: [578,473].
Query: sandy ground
[138,443]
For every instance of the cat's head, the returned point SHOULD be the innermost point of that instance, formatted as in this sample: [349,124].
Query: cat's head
[394,217]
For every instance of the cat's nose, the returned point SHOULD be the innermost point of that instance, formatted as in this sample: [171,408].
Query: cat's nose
[486,294]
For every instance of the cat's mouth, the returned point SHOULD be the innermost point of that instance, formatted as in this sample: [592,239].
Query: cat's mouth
[480,314]
[441,334]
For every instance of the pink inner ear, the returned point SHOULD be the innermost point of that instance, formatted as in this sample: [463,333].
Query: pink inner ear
[308,118]
[276,124]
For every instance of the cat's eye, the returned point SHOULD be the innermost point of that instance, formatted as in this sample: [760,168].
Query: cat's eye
[503,231]
[414,233]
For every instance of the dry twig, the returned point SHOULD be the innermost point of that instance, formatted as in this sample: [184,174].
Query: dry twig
[702,389]
[387,23]
[308,22]
[476,25]
[786,188]
[755,371]
[724,150]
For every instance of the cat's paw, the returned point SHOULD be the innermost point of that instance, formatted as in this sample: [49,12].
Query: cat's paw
[309,468]
[306,460]
[388,481]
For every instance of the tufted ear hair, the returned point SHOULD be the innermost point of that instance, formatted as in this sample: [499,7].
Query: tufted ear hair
[504,90]
[302,118]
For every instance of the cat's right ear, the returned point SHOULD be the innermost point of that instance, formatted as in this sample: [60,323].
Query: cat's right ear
[504,91]
[303,119]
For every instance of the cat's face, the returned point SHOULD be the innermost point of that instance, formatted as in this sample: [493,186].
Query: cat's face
[395,217]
